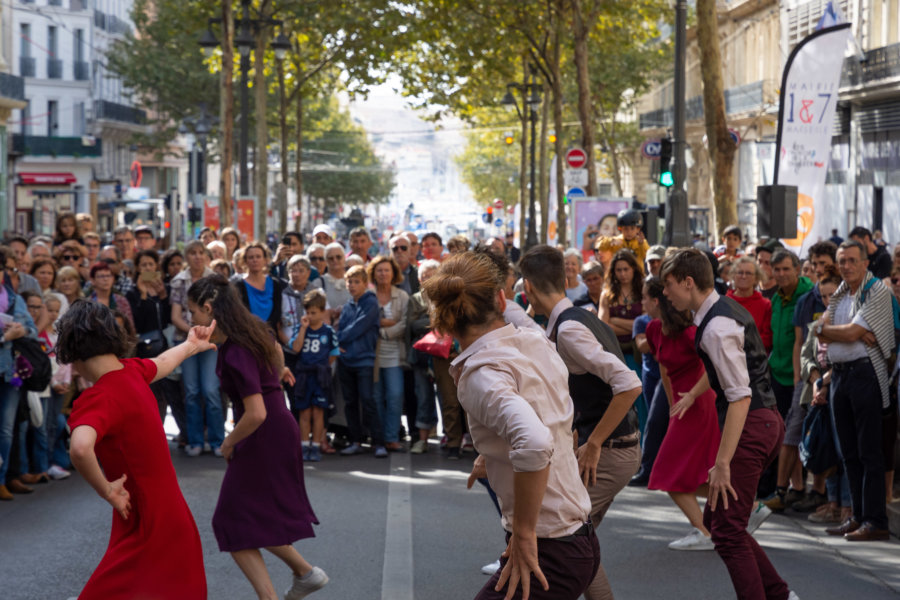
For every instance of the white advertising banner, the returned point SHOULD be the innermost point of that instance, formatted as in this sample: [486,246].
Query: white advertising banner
[552,232]
[809,95]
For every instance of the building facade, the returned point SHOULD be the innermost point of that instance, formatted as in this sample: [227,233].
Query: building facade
[71,148]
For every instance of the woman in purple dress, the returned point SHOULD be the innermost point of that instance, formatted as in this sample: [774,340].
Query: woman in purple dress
[263,502]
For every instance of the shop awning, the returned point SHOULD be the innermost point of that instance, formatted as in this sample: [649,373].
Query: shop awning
[46,178]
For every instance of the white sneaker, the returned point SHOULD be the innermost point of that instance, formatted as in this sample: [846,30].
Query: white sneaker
[193,450]
[467,443]
[491,568]
[56,472]
[306,585]
[206,447]
[695,540]
[218,451]
[760,513]
[419,447]
[793,596]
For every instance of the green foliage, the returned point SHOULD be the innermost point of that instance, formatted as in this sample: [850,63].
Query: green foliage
[163,66]
[339,164]
[488,165]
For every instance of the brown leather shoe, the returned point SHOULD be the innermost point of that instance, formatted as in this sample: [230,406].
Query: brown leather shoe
[17,487]
[5,493]
[32,478]
[868,533]
[848,526]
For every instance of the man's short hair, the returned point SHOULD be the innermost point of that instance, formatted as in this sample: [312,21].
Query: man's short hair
[293,234]
[847,244]
[15,238]
[825,248]
[860,232]
[314,299]
[544,268]
[122,229]
[733,230]
[781,255]
[592,268]
[689,262]
[357,231]
[358,272]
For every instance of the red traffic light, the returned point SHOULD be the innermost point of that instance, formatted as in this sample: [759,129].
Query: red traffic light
[167,224]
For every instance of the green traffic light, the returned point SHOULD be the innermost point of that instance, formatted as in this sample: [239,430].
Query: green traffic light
[666,179]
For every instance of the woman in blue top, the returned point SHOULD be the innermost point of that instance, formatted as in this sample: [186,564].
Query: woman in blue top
[260,292]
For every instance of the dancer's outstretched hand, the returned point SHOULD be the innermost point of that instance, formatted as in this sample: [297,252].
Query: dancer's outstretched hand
[200,335]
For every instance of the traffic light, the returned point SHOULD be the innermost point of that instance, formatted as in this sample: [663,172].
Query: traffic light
[508,139]
[666,177]
[488,216]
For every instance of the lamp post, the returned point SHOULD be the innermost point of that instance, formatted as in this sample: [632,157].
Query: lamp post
[199,126]
[245,41]
[531,101]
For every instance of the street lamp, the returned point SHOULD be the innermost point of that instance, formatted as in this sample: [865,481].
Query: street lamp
[531,100]
[200,126]
[245,41]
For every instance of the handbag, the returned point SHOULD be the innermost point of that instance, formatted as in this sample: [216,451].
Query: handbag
[152,343]
[435,345]
[817,449]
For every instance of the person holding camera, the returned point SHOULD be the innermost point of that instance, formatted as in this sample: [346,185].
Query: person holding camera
[151,311]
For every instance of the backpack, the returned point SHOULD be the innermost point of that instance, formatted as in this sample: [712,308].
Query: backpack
[32,351]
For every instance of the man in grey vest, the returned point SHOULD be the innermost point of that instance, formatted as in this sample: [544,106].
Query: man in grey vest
[752,429]
[602,387]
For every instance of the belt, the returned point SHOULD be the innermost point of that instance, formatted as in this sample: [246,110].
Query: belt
[583,531]
[846,366]
[622,442]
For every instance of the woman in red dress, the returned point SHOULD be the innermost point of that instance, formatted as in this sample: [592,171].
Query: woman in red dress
[692,440]
[154,550]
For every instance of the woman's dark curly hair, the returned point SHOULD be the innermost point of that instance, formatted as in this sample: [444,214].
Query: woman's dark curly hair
[234,319]
[89,329]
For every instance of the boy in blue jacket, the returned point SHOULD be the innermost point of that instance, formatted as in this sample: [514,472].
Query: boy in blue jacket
[357,336]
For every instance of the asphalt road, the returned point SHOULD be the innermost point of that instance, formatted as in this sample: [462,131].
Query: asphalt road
[407,528]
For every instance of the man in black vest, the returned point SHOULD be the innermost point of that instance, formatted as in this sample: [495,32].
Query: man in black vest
[752,429]
[602,387]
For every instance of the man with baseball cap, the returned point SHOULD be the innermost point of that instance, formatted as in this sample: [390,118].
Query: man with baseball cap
[323,234]
[655,256]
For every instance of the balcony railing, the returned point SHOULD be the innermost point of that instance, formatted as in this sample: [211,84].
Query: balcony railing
[34,145]
[12,86]
[26,66]
[112,111]
[738,99]
[82,71]
[54,68]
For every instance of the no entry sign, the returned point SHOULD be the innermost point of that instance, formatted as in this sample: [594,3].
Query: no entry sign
[576,158]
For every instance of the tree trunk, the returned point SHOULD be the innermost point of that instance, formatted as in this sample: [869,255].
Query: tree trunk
[608,133]
[556,83]
[543,171]
[721,146]
[523,161]
[261,158]
[581,27]
[299,160]
[227,115]
[283,130]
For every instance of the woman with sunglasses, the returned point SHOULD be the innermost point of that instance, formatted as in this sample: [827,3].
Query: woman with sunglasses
[316,255]
[334,284]
[71,254]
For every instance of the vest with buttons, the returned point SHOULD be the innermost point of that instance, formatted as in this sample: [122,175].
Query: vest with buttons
[590,394]
[761,394]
